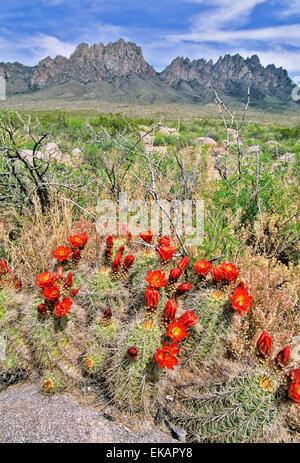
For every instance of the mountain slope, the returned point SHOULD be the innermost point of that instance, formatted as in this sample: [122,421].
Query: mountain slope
[119,72]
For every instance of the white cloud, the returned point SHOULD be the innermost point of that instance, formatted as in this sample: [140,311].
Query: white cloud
[278,56]
[219,13]
[30,49]
[289,34]
[101,32]
[219,30]
[163,53]
[291,8]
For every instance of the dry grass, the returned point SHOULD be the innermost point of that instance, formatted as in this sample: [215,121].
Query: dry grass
[30,253]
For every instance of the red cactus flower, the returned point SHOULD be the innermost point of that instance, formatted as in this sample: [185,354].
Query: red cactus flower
[78,241]
[294,391]
[185,287]
[151,297]
[147,236]
[188,318]
[69,280]
[18,284]
[156,279]
[183,263]
[170,310]
[282,358]
[42,308]
[132,353]
[202,267]
[164,241]
[4,266]
[166,253]
[177,331]
[295,375]
[165,357]
[264,344]
[45,279]
[217,273]
[51,293]
[59,273]
[116,265]
[128,261]
[74,292]
[230,272]
[61,253]
[62,308]
[241,301]
[109,241]
[174,275]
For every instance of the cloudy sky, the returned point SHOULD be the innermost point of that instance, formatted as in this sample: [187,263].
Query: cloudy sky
[31,30]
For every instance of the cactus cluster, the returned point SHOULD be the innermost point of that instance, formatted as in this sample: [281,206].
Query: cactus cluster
[137,329]
[235,410]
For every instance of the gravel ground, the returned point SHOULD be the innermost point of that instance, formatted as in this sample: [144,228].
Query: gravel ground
[26,415]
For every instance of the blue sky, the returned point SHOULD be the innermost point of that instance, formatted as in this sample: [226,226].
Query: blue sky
[31,30]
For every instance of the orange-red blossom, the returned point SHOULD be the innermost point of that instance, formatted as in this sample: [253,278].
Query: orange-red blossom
[294,392]
[45,279]
[202,267]
[294,389]
[166,253]
[78,241]
[241,300]
[177,331]
[165,356]
[147,236]
[61,253]
[62,308]
[156,279]
[51,293]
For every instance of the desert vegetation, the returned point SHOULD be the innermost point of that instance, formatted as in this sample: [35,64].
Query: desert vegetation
[202,339]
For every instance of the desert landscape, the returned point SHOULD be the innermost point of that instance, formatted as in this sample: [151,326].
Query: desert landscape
[175,330]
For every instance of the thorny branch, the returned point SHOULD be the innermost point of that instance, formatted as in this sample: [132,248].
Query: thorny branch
[238,125]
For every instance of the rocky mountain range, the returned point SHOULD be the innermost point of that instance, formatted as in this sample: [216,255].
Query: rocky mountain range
[119,72]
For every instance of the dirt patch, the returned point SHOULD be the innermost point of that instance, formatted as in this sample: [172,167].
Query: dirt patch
[29,416]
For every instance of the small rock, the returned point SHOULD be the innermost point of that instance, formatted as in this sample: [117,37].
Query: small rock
[177,433]
[253,149]
[206,141]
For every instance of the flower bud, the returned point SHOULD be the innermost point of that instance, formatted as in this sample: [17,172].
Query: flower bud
[151,297]
[132,354]
[170,310]
[188,318]
[282,358]
[174,275]
[183,288]
[109,241]
[183,263]
[128,261]
[264,344]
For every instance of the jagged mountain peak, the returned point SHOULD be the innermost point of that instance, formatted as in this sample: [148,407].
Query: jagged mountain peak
[119,70]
